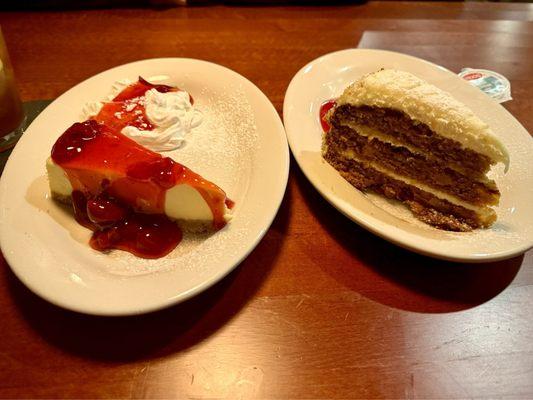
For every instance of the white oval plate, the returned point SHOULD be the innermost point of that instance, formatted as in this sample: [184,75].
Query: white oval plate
[241,146]
[326,77]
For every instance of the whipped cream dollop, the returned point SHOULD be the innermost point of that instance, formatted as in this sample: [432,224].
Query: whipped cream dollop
[91,108]
[171,114]
[173,117]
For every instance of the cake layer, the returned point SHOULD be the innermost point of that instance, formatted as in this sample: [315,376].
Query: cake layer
[392,174]
[348,143]
[427,206]
[426,104]
[402,129]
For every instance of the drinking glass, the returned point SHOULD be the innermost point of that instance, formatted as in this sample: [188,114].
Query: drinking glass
[11,110]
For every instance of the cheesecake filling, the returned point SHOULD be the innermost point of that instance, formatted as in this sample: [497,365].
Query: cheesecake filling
[182,202]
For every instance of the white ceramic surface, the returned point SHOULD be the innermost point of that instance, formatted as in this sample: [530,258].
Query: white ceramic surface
[326,77]
[241,146]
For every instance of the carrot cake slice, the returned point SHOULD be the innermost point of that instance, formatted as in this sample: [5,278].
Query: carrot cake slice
[397,135]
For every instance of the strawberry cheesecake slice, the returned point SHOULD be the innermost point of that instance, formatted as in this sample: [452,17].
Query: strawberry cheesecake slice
[132,198]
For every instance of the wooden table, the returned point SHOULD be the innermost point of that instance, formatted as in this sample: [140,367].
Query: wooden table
[321,308]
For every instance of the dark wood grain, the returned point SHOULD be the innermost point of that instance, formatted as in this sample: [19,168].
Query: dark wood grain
[321,308]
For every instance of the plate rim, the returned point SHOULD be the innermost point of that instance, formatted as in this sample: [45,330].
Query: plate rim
[205,284]
[365,221]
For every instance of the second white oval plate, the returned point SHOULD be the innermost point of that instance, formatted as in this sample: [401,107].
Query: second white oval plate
[241,146]
[326,77]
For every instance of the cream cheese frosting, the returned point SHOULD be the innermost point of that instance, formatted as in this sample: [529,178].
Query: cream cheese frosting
[429,105]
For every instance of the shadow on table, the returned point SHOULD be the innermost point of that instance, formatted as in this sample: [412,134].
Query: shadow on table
[159,333]
[398,278]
